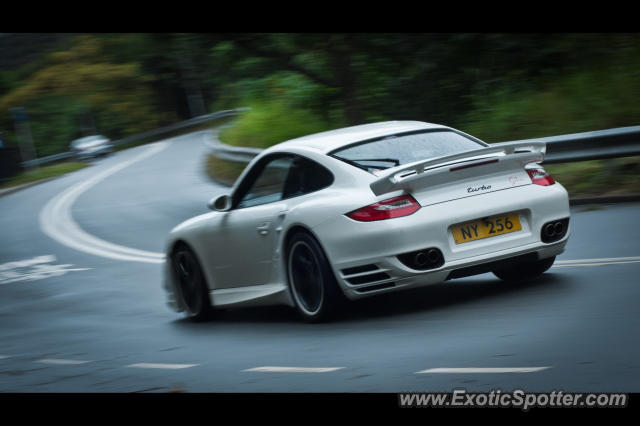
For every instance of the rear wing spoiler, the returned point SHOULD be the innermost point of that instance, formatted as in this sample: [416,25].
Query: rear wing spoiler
[402,177]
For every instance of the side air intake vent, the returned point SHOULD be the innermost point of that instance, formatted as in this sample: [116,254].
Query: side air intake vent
[375,287]
[364,279]
[359,269]
[367,278]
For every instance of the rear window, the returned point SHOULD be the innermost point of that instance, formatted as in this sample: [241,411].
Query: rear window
[392,151]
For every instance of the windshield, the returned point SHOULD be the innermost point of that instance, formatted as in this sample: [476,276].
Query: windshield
[392,151]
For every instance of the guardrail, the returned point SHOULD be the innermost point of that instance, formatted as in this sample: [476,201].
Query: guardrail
[600,144]
[238,154]
[597,145]
[148,134]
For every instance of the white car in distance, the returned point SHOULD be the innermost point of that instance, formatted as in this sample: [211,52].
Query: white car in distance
[91,147]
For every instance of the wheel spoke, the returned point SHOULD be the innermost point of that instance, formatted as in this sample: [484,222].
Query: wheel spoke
[189,280]
[306,277]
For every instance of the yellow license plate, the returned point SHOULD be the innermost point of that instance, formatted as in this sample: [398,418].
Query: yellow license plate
[485,228]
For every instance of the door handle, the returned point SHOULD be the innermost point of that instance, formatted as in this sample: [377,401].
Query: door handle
[264,228]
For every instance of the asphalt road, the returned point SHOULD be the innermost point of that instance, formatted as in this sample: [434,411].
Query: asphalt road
[91,318]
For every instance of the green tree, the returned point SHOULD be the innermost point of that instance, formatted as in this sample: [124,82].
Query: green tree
[116,97]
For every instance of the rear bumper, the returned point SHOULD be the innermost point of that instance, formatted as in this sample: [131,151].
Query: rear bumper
[368,250]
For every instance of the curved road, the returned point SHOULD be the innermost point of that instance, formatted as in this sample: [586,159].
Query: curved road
[82,308]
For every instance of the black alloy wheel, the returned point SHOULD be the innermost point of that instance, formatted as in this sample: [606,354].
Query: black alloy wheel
[315,291]
[192,286]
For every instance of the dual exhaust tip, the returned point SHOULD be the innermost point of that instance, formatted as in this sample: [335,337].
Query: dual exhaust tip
[555,230]
[427,257]
[422,260]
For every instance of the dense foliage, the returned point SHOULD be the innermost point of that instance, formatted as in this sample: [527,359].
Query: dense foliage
[496,86]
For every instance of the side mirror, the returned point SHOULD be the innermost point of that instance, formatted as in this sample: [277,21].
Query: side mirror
[220,204]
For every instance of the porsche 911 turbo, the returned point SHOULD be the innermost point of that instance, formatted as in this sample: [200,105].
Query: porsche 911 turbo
[335,216]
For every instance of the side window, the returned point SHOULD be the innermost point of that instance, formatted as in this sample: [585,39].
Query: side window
[269,183]
[305,176]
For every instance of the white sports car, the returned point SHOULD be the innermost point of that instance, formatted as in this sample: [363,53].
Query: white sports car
[365,210]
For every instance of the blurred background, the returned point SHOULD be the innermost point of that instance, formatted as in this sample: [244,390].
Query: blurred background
[55,88]
[82,306]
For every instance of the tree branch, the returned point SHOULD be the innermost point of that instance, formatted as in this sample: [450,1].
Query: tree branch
[285,61]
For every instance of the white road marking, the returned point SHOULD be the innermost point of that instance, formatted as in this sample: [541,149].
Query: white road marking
[27,262]
[4,356]
[57,222]
[294,369]
[609,259]
[62,361]
[482,370]
[571,265]
[161,366]
[36,268]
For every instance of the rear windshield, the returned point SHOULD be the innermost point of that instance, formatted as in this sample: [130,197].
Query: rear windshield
[392,151]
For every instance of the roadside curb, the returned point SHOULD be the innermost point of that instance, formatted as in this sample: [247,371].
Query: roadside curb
[12,189]
[604,199]
[224,182]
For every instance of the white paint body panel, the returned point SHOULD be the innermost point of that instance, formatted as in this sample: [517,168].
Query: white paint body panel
[243,267]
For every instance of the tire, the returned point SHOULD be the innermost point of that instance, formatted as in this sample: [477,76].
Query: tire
[525,271]
[314,289]
[191,284]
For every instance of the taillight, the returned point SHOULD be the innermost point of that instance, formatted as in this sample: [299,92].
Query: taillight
[387,209]
[540,176]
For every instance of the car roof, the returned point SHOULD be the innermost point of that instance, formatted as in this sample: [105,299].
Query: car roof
[88,138]
[334,139]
